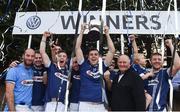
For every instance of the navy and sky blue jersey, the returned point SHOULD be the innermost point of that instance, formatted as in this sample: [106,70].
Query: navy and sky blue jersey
[75,88]
[57,80]
[21,77]
[39,87]
[158,87]
[90,90]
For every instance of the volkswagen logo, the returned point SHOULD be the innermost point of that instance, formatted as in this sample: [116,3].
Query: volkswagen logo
[33,22]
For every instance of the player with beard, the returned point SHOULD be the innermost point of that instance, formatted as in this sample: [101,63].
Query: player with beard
[139,66]
[75,86]
[57,77]
[39,83]
[157,80]
[19,84]
[90,97]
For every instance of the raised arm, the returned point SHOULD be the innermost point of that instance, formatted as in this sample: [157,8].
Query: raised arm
[135,49]
[176,65]
[54,50]
[42,50]
[111,47]
[78,50]
[10,96]
[134,45]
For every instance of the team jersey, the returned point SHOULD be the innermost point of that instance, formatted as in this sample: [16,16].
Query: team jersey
[21,77]
[75,88]
[57,81]
[158,88]
[140,70]
[113,74]
[39,87]
[90,89]
[176,81]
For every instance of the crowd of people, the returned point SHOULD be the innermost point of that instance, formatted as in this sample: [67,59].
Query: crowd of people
[41,82]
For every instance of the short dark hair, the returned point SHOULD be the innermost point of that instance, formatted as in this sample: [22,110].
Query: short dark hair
[62,51]
[37,51]
[92,49]
[27,50]
[156,53]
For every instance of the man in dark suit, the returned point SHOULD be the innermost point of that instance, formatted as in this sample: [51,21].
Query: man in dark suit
[127,88]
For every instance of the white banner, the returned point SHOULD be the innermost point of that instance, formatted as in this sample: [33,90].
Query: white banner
[119,22]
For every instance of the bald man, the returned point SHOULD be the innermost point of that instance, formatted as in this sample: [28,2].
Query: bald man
[127,88]
[19,84]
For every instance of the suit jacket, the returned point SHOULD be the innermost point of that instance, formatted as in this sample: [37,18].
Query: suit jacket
[128,93]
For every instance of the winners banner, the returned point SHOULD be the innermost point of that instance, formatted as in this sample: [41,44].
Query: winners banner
[119,22]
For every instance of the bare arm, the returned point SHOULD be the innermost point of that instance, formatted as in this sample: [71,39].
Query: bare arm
[147,75]
[45,77]
[111,47]
[14,64]
[42,50]
[176,65]
[54,51]
[135,49]
[78,50]
[134,45]
[10,96]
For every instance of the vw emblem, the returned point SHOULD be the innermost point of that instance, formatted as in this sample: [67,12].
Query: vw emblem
[33,22]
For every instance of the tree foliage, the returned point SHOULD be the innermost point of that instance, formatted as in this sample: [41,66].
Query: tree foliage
[14,45]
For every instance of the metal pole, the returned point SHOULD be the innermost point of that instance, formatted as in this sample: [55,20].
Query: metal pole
[122,44]
[29,41]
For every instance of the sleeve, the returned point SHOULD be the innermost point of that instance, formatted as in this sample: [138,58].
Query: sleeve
[176,81]
[11,76]
[48,64]
[112,75]
[134,67]
[138,93]
[50,68]
[81,61]
[105,66]
[166,74]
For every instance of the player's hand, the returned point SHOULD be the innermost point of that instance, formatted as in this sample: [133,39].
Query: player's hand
[47,34]
[132,37]
[14,63]
[107,75]
[168,42]
[83,27]
[106,30]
